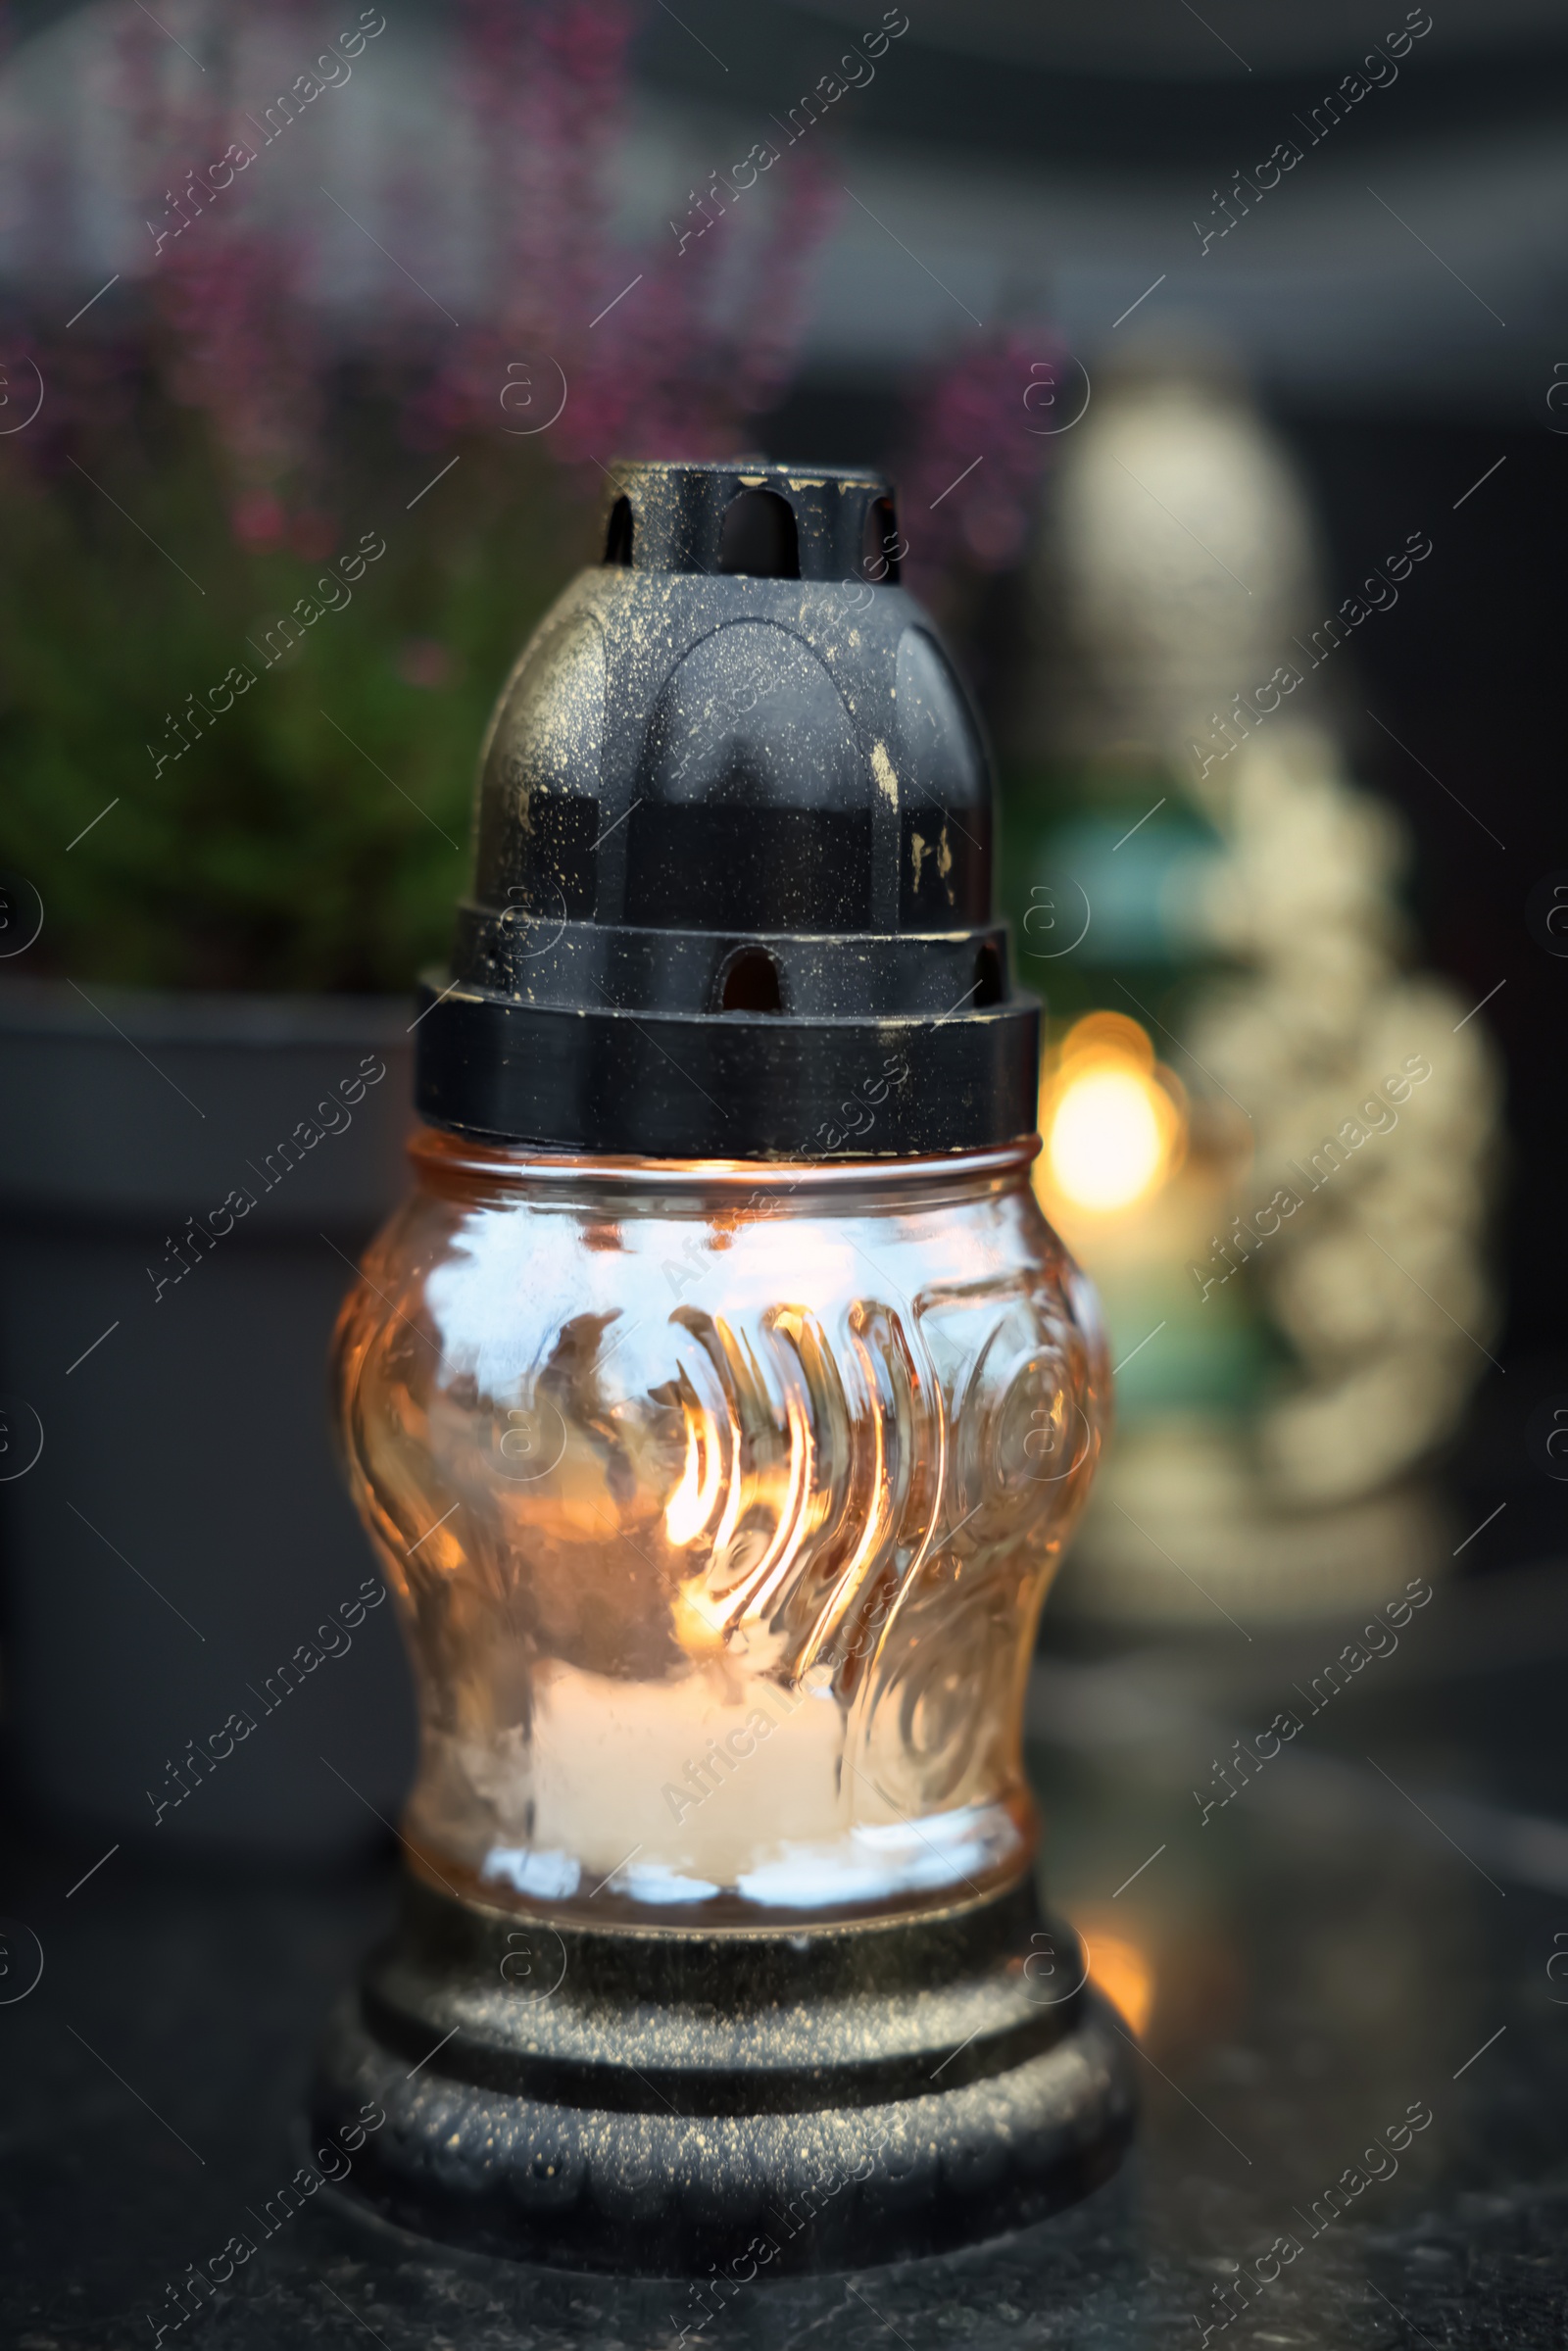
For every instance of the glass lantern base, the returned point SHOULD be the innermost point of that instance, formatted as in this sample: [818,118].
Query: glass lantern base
[717,2106]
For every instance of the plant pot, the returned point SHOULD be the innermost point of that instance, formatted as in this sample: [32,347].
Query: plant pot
[191,1622]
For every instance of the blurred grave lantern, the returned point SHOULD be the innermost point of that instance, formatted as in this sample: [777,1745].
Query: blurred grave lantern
[718,1408]
[1295,1289]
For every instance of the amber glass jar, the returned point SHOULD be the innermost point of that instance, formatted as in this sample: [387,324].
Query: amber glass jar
[719,1502]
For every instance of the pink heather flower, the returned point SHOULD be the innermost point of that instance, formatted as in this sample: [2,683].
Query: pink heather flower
[663,350]
[807,201]
[989,404]
[240,343]
[546,86]
[709,337]
[243,351]
[256,520]
[686,342]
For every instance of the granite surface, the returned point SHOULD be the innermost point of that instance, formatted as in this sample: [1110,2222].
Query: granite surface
[1355,2066]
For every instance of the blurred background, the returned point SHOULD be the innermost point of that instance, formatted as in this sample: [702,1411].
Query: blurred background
[1217,359]
[1222,362]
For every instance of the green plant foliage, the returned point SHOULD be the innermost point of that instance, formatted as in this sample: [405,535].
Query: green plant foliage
[314,834]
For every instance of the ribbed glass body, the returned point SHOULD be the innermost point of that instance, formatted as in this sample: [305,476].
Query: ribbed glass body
[720,1501]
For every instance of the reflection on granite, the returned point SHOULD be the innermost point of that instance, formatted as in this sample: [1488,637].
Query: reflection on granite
[1355,2058]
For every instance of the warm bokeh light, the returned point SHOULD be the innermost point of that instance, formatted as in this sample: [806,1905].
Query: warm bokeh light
[1105,1145]
[1113,1120]
[1124,1973]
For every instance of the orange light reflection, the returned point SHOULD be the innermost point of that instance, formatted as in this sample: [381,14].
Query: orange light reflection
[1124,1973]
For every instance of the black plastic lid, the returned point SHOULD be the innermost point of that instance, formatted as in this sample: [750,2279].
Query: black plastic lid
[732,875]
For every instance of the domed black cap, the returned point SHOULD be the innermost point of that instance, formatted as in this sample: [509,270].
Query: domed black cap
[732,881]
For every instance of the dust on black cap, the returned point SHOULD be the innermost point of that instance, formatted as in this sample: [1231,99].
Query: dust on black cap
[732,874]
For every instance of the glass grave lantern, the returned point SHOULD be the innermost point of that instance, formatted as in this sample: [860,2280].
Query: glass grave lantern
[718,1408]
